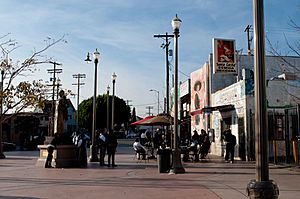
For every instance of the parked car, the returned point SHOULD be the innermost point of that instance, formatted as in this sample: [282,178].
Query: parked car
[7,146]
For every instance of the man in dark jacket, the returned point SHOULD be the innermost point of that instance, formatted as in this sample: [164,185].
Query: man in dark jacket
[112,144]
[230,141]
[204,144]
[103,146]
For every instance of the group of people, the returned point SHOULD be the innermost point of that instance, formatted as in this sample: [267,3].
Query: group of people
[200,144]
[107,143]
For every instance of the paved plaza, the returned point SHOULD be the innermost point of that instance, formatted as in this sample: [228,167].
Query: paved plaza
[133,179]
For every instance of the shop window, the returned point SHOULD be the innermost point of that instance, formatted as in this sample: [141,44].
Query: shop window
[276,127]
[294,127]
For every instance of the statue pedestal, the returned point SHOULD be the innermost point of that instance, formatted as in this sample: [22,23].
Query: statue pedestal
[63,156]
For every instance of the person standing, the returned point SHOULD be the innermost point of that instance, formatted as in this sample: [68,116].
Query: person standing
[50,148]
[230,141]
[204,144]
[103,146]
[112,144]
[194,145]
[82,154]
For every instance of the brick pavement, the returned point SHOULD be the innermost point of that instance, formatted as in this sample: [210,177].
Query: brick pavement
[211,179]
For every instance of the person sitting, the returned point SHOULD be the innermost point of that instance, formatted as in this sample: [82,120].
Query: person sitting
[139,148]
[143,138]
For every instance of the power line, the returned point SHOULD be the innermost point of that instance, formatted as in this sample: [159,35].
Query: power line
[149,110]
[53,71]
[78,84]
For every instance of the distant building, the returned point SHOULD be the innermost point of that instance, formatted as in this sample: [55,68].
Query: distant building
[39,128]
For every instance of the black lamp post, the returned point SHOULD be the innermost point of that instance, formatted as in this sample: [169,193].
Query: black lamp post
[261,187]
[113,77]
[177,165]
[93,147]
[107,108]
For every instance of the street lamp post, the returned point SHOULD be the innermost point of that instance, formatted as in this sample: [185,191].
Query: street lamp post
[114,77]
[93,147]
[157,99]
[262,187]
[177,165]
[107,108]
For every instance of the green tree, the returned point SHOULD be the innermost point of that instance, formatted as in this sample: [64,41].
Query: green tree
[85,112]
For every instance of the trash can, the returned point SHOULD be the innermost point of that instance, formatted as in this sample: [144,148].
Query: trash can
[163,160]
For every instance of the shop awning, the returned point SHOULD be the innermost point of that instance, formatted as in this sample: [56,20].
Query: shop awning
[209,109]
[222,108]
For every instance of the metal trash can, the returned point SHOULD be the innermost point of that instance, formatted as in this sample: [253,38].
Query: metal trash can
[163,160]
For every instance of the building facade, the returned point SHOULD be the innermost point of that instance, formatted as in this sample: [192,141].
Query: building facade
[227,101]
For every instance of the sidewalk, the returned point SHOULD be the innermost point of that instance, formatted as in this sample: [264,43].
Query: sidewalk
[132,179]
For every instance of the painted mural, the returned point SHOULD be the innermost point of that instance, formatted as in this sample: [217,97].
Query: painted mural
[198,98]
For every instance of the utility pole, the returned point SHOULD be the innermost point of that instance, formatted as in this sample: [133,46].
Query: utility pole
[149,110]
[53,71]
[249,40]
[127,103]
[57,87]
[166,46]
[78,84]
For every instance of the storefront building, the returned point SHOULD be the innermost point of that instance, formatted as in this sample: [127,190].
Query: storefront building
[227,101]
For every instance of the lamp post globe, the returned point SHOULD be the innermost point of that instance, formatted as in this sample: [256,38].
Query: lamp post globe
[176,165]
[176,23]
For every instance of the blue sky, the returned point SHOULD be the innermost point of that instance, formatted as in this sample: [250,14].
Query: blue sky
[123,33]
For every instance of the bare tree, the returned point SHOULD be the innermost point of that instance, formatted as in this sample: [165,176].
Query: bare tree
[286,65]
[17,96]
[294,48]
